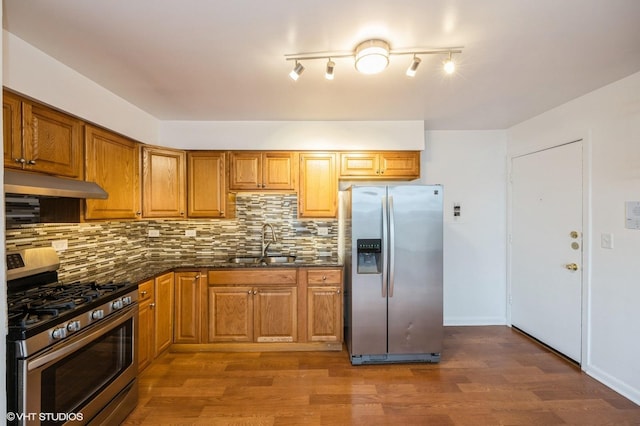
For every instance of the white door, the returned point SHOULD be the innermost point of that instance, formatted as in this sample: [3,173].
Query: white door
[546,247]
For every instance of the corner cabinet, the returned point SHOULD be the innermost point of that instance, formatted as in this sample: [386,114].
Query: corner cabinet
[262,171]
[380,165]
[163,183]
[40,139]
[318,194]
[206,184]
[113,162]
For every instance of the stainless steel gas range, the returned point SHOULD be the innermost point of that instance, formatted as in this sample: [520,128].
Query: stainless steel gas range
[71,348]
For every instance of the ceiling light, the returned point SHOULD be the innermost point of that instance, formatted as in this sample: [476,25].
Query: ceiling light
[372,56]
[329,73]
[449,65]
[295,73]
[411,71]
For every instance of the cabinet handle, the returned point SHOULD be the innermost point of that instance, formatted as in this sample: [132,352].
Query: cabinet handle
[143,293]
[249,291]
[381,172]
[20,160]
[255,291]
[338,292]
[138,213]
[264,186]
[152,305]
[181,213]
[377,172]
[197,277]
[258,185]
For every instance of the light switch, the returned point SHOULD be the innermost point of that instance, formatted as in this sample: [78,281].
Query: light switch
[606,241]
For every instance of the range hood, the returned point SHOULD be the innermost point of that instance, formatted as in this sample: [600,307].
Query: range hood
[50,186]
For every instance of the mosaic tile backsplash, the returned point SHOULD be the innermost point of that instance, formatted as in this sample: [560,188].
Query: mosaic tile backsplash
[118,250]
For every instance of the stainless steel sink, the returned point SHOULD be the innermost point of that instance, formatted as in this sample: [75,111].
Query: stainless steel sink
[262,260]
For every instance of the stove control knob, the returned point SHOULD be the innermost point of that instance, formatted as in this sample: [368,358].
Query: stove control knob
[117,304]
[126,300]
[59,333]
[73,326]
[97,314]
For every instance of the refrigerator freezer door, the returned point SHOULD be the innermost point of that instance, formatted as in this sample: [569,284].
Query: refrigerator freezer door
[415,306]
[368,302]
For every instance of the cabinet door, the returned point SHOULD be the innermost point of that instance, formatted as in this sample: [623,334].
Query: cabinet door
[318,185]
[12,130]
[245,170]
[277,170]
[52,141]
[402,164]
[324,305]
[163,183]
[145,324]
[163,312]
[206,184]
[230,314]
[275,314]
[359,164]
[113,162]
[188,309]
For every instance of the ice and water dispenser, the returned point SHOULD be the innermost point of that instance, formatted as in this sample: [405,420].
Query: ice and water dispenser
[369,256]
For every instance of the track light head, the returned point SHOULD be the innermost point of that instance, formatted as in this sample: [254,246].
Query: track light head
[330,67]
[295,73]
[449,65]
[411,71]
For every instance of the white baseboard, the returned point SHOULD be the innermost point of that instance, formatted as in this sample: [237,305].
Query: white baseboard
[612,382]
[475,321]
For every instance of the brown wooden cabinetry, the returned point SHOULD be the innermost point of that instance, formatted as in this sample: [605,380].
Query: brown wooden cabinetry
[146,329]
[253,305]
[318,192]
[163,182]
[324,305]
[206,184]
[254,171]
[163,312]
[189,314]
[40,139]
[113,162]
[383,165]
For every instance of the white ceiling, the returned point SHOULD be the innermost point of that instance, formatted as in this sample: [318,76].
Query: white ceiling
[224,60]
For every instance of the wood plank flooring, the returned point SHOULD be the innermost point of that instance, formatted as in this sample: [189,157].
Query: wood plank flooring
[487,376]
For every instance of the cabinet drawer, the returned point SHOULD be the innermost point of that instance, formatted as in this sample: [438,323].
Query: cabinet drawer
[253,276]
[324,276]
[145,291]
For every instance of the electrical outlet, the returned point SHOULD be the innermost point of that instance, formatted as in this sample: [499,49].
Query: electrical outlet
[154,233]
[323,231]
[190,233]
[60,245]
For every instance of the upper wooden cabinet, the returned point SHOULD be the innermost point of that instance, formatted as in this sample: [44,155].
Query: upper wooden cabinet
[318,192]
[380,165]
[163,182]
[113,162]
[40,139]
[206,189]
[253,170]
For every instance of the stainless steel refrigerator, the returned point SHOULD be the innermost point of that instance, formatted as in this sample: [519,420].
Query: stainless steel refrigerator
[393,273]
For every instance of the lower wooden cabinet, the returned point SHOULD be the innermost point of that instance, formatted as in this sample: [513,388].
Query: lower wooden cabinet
[163,312]
[190,302]
[145,323]
[324,305]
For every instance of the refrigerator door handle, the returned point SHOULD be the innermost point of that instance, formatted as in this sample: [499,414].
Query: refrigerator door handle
[392,247]
[385,228]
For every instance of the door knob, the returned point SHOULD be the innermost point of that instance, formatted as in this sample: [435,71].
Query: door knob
[571,266]
[574,234]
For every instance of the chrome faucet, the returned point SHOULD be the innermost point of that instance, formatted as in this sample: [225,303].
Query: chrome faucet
[266,244]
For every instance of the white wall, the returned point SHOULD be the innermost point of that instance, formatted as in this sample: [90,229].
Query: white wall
[610,120]
[471,166]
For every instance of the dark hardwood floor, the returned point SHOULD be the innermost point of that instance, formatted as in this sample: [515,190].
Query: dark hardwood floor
[487,376]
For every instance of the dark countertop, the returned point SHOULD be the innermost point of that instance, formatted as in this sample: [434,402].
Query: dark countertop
[153,268]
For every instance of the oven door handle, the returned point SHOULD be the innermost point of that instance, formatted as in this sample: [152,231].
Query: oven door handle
[71,346]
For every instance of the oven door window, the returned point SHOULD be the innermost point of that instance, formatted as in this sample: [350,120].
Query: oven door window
[71,382]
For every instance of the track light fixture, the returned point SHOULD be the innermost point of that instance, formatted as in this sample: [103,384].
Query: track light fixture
[411,71]
[329,72]
[295,73]
[372,57]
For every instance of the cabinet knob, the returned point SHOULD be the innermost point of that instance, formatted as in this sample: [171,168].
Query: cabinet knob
[264,186]
[324,278]
[249,292]
[20,160]
[181,213]
[152,305]
[197,277]
[143,293]
[31,162]
[138,213]
[255,291]
[221,213]
[338,292]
